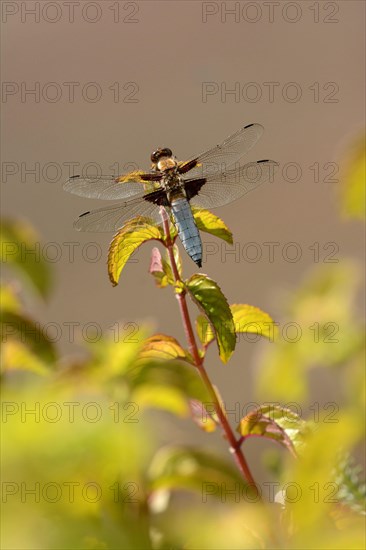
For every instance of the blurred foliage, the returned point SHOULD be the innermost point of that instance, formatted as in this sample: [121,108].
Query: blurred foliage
[311,494]
[352,488]
[83,467]
[353,195]
[322,328]
[20,248]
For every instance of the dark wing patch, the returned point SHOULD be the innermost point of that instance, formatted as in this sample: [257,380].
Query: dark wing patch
[185,167]
[193,187]
[151,176]
[157,197]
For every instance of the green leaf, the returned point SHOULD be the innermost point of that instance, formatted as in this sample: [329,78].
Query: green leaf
[175,374]
[18,328]
[184,468]
[208,222]
[162,346]
[353,192]
[132,235]
[253,320]
[274,422]
[207,294]
[21,248]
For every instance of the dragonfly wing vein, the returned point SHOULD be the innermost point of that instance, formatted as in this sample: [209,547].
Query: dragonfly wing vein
[229,186]
[112,218]
[221,157]
[103,187]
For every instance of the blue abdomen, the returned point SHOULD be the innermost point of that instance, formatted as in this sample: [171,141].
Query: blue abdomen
[187,229]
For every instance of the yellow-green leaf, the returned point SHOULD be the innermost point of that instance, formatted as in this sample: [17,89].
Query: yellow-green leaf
[17,327]
[162,346]
[208,222]
[209,297]
[132,235]
[204,329]
[18,356]
[21,248]
[274,422]
[354,177]
[8,299]
[253,320]
[161,397]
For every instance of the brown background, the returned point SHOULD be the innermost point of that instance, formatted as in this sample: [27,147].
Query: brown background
[169,52]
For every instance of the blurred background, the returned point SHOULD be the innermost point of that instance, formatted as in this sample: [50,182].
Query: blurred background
[95,87]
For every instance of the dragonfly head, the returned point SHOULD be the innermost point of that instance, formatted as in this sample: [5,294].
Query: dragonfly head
[162,159]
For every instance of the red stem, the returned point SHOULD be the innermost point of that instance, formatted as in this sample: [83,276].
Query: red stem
[235,447]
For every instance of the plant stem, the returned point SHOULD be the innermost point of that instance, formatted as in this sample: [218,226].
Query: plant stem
[235,447]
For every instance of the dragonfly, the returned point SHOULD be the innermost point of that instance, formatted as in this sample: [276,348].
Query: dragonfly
[205,181]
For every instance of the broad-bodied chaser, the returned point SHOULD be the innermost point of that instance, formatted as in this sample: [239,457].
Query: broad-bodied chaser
[209,180]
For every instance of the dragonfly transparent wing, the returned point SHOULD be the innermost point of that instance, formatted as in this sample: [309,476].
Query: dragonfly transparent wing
[220,158]
[107,187]
[111,218]
[220,189]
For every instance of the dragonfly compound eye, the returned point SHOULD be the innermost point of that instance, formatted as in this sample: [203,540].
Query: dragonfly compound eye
[159,153]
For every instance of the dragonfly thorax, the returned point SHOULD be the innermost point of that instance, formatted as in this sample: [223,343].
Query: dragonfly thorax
[171,180]
[167,164]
